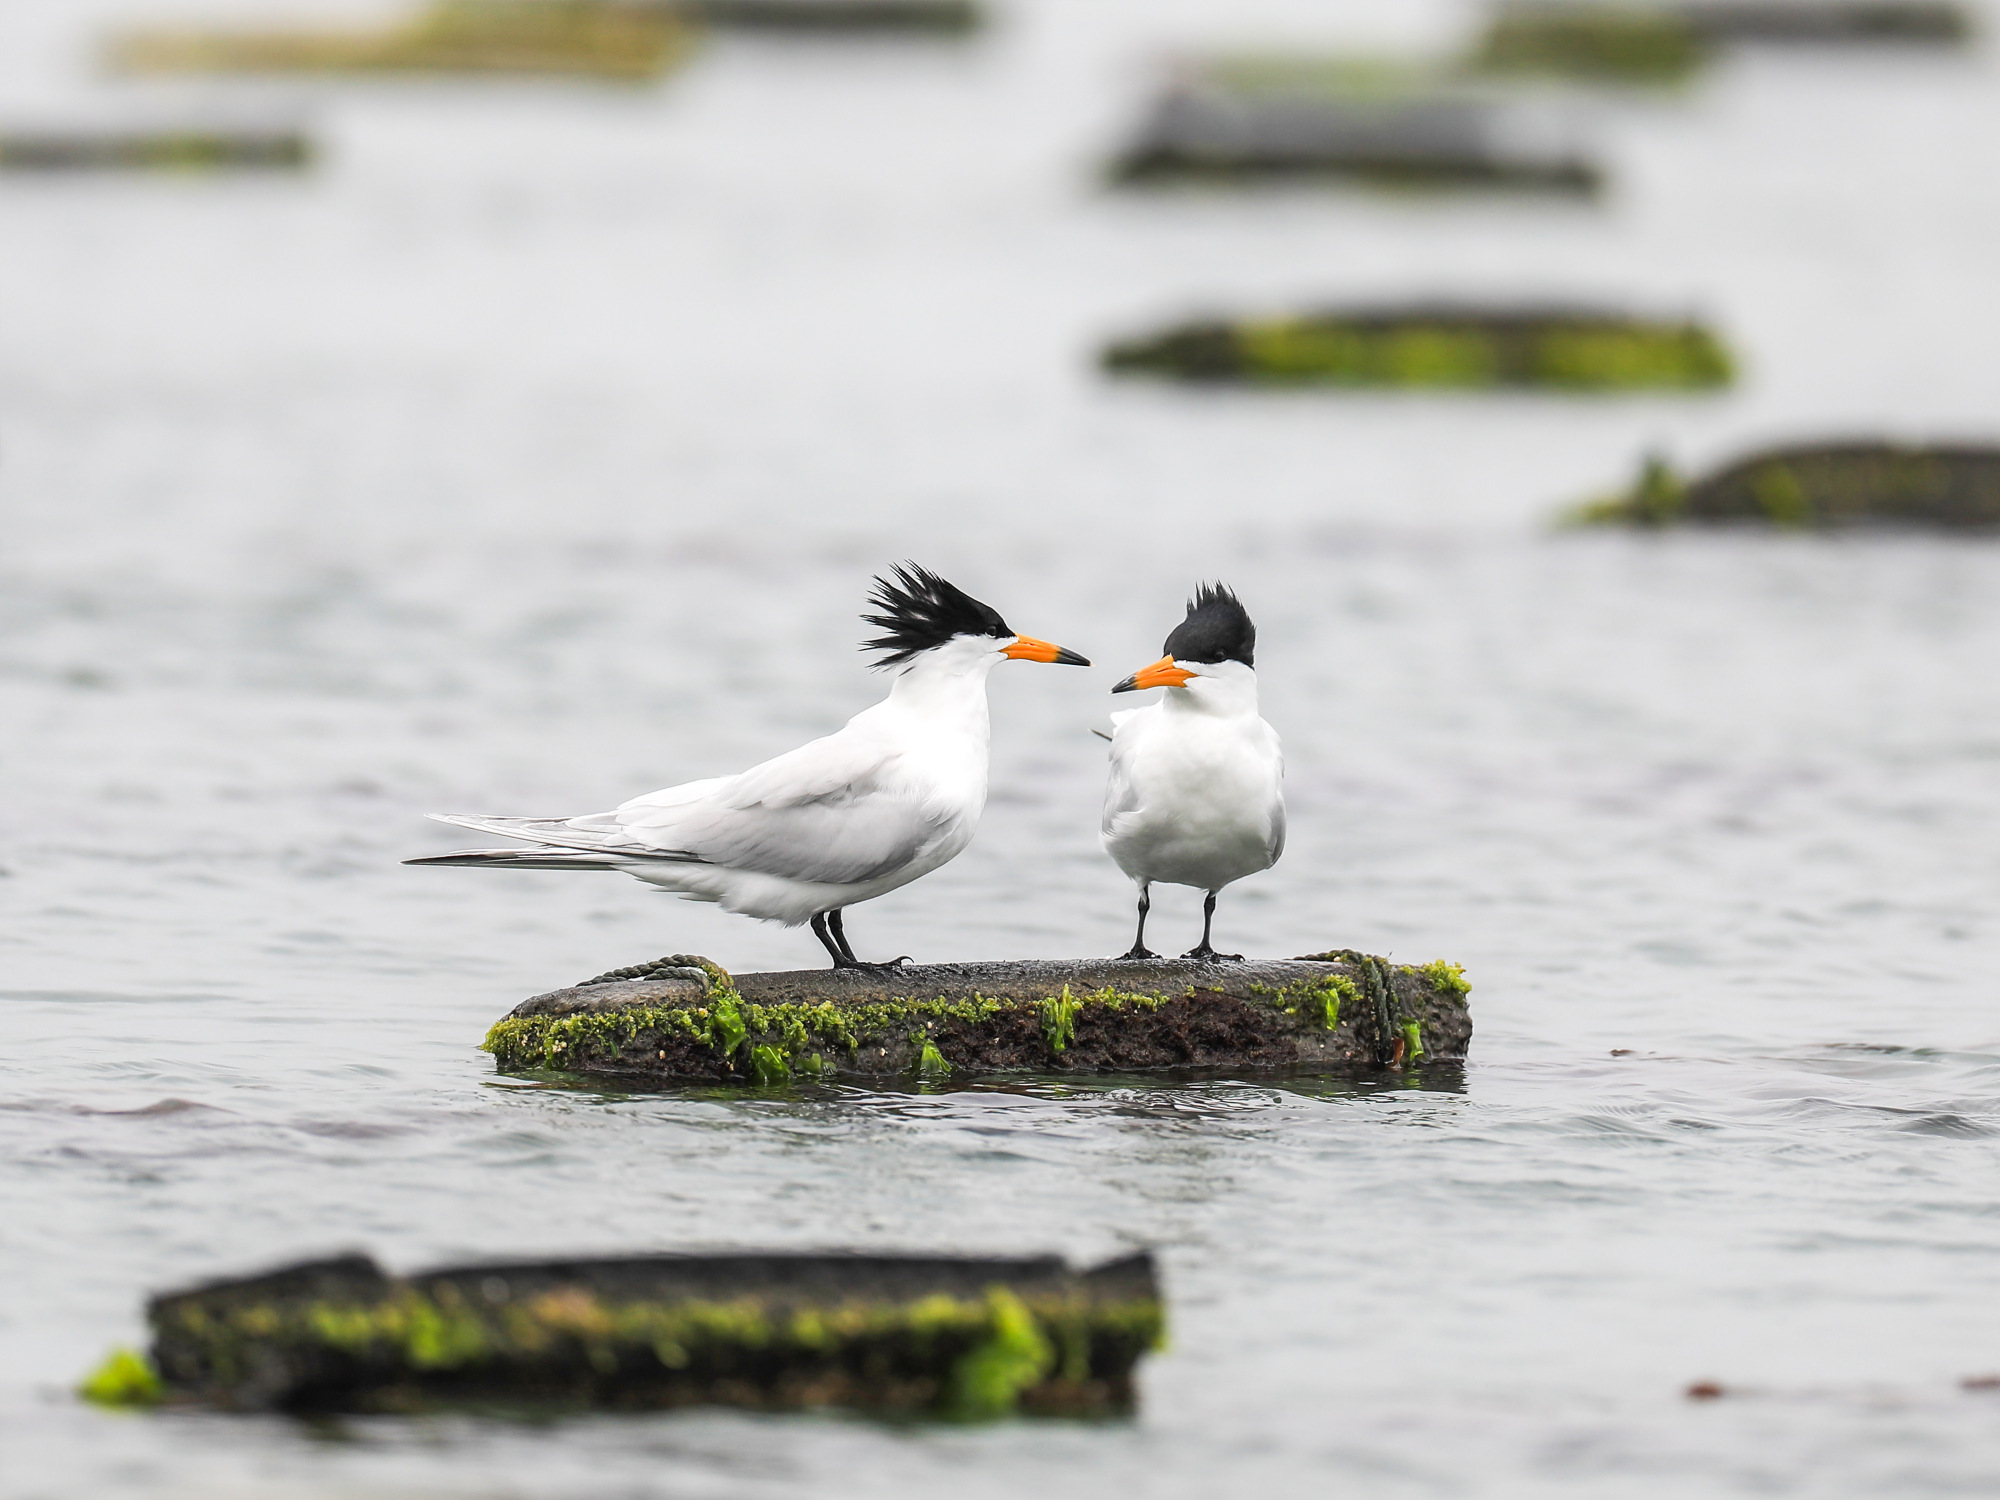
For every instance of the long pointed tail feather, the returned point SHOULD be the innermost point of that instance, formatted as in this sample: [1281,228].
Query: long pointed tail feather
[558,833]
[525,859]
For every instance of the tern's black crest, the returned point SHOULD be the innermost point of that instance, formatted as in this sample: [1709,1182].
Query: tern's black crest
[920,610]
[1217,628]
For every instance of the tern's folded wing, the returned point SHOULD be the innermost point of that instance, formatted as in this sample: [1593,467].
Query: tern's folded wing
[1121,792]
[832,811]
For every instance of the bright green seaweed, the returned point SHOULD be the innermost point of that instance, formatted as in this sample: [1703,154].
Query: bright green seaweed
[126,1378]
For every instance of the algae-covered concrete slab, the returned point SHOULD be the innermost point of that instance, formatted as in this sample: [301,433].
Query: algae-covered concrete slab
[604,39]
[1820,486]
[684,1020]
[907,1335]
[1437,346]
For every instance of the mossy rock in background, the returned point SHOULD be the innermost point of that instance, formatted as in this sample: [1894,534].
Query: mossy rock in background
[605,39]
[1612,43]
[916,1335]
[160,151]
[1438,347]
[1667,43]
[854,17]
[1859,21]
[677,1024]
[1825,485]
[1241,128]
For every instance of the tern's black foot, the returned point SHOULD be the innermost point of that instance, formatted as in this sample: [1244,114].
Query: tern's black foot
[889,966]
[1208,955]
[1138,951]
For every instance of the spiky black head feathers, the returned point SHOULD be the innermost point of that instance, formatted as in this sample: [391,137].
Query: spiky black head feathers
[1217,628]
[920,610]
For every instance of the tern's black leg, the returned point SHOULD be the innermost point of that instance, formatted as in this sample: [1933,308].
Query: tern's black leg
[840,936]
[838,928]
[840,960]
[1139,948]
[1205,951]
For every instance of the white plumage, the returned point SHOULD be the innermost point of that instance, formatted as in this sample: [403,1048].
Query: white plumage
[880,803]
[1195,793]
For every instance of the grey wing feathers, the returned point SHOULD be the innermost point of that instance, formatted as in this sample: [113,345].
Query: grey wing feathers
[836,840]
[832,811]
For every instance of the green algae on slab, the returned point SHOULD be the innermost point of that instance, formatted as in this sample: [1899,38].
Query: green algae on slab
[574,38]
[1335,1010]
[1438,347]
[913,1335]
[153,150]
[1819,486]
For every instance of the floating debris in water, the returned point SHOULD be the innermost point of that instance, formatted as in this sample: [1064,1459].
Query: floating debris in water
[943,1336]
[1430,346]
[575,38]
[153,150]
[1824,485]
[676,1025]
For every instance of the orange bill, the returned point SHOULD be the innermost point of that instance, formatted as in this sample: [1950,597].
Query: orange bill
[1027,648]
[1162,673]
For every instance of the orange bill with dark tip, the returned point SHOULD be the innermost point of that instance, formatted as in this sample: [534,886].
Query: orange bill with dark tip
[1162,673]
[1027,648]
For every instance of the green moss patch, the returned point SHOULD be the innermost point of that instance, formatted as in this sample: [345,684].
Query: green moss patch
[945,1337]
[126,1378]
[1437,348]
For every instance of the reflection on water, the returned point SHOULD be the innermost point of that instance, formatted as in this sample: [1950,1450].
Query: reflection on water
[537,451]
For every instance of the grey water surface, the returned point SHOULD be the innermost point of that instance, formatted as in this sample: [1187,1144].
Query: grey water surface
[536,451]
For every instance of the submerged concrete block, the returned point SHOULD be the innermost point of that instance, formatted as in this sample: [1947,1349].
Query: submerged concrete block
[916,1335]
